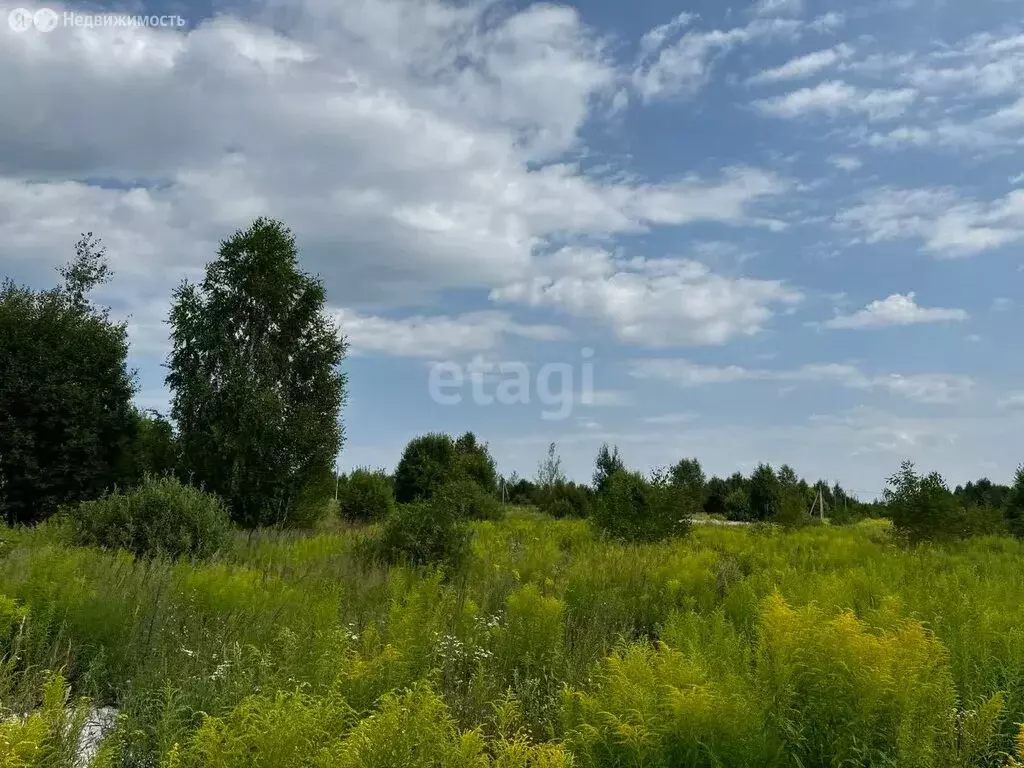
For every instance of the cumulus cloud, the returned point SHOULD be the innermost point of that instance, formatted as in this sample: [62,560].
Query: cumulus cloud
[896,309]
[924,387]
[652,302]
[413,147]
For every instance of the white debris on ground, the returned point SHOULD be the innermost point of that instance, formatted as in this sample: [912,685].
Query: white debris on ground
[97,725]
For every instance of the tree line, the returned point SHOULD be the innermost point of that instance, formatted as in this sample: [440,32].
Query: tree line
[257,391]
[254,374]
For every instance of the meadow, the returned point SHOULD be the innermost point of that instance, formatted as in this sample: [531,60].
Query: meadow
[551,646]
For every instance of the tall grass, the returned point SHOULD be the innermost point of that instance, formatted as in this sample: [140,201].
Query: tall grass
[551,646]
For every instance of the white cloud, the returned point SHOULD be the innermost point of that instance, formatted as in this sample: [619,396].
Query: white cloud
[400,140]
[1002,304]
[896,309]
[607,398]
[835,97]
[948,225]
[779,7]
[679,68]
[436,337]
[803,66]
[847,163]
[923,387]
[669,419]
[652,302]
[1013,401]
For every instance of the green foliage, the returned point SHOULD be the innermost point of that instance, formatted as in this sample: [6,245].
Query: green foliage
[551,645]
[765,493]
[255,377]
[792,511]
[635,508]
[425,533]
[922,507]
[463,498]
[565,499]
[688,475]
[427,463]
[66,419]
[1015,505]
[549,471]
[364,495]
[608,463]
[269,731]
[47,737]
[841,694]
[154,450]
[737,506]
[160,517]
[475,462]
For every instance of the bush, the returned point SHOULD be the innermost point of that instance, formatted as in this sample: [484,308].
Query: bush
[465,499]
[162,516]
[365,495]
[565,499]
[427,463]
[637,509]
[424,533]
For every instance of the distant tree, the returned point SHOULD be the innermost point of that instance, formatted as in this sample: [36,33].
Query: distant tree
[428,462]
[475,461]
[256,380]
[716,492]
[787,477]
[607,463]
[154,449]
[66,418]
[765,493]
[737,506]
[922,506]
[635,508]
[549,472]
[1015,504]
[689,475]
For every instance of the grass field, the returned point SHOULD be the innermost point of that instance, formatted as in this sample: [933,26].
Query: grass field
[733,647]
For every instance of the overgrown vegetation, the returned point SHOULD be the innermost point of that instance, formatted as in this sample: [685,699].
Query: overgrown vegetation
[448,616]
[160,517]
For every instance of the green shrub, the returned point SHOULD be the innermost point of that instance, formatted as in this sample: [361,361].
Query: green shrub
[565,499]
[464,498]
[424,533]
[427,463]
[635,508]
[161,516]
[46,738]
[365,495]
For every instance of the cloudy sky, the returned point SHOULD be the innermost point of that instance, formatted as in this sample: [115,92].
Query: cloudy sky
[786,231]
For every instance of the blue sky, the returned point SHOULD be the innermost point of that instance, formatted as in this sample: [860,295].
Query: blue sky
[784,231]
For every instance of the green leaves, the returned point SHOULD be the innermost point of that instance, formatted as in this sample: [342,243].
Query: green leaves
[66,418]
[257,388]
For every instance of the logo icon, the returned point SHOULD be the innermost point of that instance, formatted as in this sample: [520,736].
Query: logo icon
[20,19]
[45,19]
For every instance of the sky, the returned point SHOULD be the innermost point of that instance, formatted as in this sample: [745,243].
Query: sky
[780,231]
